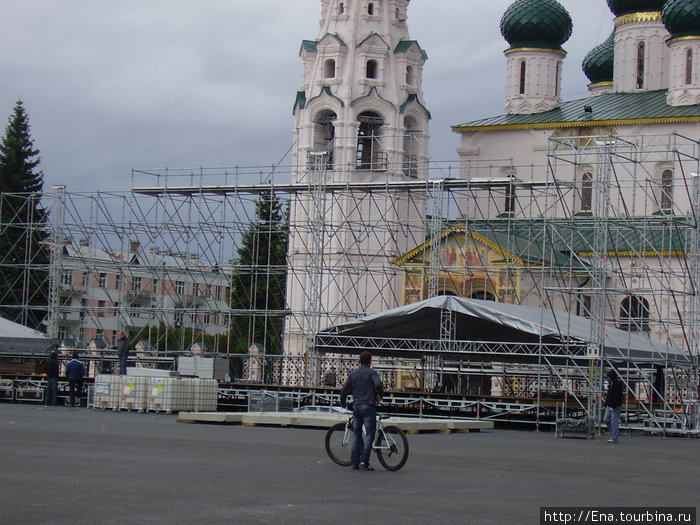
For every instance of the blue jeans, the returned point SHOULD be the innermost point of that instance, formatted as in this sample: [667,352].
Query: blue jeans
[51,392]
[363,415]
[612,421]
[122,364]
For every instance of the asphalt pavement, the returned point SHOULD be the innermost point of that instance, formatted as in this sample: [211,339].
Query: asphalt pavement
[62,465]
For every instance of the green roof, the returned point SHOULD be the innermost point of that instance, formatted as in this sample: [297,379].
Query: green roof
[560,242]
[309,45]
[610,109]
[404,45]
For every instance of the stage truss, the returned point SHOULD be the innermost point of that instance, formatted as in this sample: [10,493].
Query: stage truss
[631,241]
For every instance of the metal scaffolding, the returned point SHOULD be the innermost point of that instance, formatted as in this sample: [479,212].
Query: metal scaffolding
[620,247]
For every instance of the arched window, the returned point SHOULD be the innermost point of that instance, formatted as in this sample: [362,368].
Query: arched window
[329,68]
[689,66]
[409,75]
[369,154]
[634,313]
[667,190]
[587,191]
[556,80]
[523,70]
[370,8]
[641,51]
[371,68]
[341,8]
[483,295]
[324,134]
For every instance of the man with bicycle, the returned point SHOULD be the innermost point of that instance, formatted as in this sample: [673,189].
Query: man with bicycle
[366,388]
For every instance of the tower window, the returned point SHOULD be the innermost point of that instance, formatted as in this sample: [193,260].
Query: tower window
[587,191]
[689,66]
[329,68]
[409,75]
[341,8]
[371,69]
[641,51]
[324,135]
[523,70]
[370,8]
[369,154]
[667,190]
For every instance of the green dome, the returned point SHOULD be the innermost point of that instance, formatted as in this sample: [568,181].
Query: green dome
[598,63]
[682,17]
[622,7]
[536,23]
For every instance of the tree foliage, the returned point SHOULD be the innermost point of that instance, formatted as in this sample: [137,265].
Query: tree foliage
[23,255]
[259,280]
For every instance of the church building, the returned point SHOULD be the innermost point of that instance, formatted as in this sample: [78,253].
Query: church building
[584,205]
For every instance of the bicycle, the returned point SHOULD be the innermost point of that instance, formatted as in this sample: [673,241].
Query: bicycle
[390,444]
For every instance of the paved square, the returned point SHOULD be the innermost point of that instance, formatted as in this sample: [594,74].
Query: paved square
[64,465]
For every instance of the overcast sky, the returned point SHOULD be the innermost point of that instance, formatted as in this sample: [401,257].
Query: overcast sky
[115,85]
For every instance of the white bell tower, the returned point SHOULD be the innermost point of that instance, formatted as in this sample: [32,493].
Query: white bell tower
[360,122]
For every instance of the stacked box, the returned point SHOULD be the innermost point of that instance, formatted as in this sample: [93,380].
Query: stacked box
[171,394]
[205,395]
[185,393]
[107,390]
[133,393]
[159,394]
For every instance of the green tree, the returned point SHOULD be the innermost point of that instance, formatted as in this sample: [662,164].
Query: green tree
[259,280]
[23,255]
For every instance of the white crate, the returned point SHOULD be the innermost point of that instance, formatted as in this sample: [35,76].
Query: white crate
[107,390]
[133,393]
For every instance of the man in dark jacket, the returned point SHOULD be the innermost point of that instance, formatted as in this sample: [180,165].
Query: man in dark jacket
[75,371]
[613,406]
[364,385]
[52,379]
[123,351]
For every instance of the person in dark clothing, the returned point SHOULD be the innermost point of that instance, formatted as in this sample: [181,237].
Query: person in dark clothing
[123,351]
[75,371]
[364,385]
[613,406]
[331,378]
[51,398]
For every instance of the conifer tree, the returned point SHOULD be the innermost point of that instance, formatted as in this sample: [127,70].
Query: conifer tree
[23,256]
[259,281]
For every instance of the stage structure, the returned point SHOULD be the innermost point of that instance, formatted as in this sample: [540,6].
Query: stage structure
[620,250]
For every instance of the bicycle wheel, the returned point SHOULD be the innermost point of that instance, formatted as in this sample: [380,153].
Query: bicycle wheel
[393,448]
[339,445]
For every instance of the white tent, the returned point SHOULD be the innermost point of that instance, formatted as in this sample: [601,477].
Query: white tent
[479,320]
[18,339]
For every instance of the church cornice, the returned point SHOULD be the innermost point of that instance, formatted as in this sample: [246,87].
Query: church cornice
[682,38]
[413,99]
[645,16]
[404,45]
[534,48]
[371,36]
[326,91]
[610,109]
[575,124]
[372,92]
